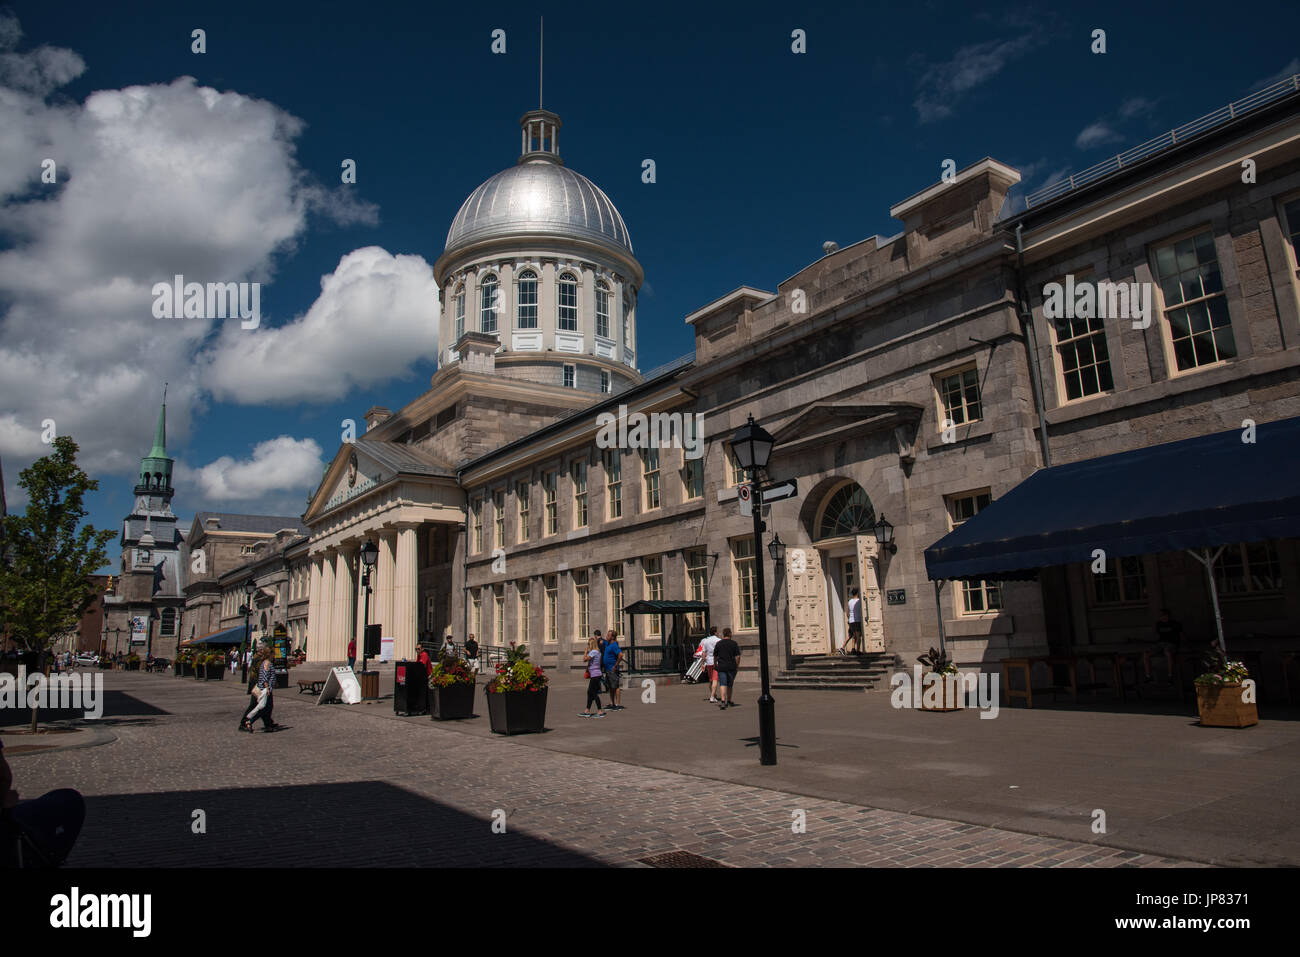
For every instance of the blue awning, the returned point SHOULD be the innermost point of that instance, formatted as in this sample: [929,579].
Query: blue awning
[1207,491]
[228,636]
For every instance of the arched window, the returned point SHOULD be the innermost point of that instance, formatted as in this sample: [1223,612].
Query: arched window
[168,627]
[526,311]
[602,309]
[460,311]
[487,304]
[627,313]
[847,512]
[568,303]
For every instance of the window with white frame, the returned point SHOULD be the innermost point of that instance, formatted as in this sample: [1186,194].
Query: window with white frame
[650,478]
[568,302]
[521,496]
[606,382]
[1124,580]
[692,477]
[1082,356]
[976,597]
[476,516]
[570,376]
[526,300]
[602,309]
[499,613]
[613,484]
[525,599]
[1249,568]
[488,304]
[552,608]
[654,587]
[697,581]
[551,511]
[499,518]
[746,597]
[959,397]
[736,473]
[614,580]
[581,602]
[578,472]
[460,311]
[627,313]
[476,617]
[1195,307]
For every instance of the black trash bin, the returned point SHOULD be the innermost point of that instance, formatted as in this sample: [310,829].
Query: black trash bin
[410,688]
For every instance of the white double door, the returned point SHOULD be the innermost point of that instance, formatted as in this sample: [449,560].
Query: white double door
[821,581]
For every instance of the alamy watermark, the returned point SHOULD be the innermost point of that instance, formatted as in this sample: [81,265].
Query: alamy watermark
[934,690]
[67,692]
[179,299]
[1099,300]
[658,430]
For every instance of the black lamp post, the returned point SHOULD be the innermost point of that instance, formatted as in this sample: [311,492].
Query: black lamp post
[885,535]
[369,555]
[752,447]
[247,609]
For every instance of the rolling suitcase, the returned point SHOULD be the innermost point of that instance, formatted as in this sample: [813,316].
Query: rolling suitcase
[695,670]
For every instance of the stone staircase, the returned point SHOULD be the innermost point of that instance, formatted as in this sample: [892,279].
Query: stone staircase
[868,672]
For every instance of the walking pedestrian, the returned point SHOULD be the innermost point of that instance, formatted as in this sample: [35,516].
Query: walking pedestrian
[1169,637]
[471,655]
[855,625]
[727,655]
[709,646]
[262,699]
[448,649]
[234,660]
[592,659]
[611,659]
[352,653]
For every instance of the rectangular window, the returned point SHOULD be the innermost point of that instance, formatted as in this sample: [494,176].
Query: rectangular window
[526,307]
[568,305]
[602,311]
[552,614]
[613,484]
[570,377]
[476,510]
[499,517]
[579,473]
[614,575]
[736,473]
[460,314]
[1248,569]
[742,560]
[487,305]
[552,516]
[606,384]
[1083,357]
[959,397]
[581,603]
[978,597]
[1195,307]
[499,614]
[692,478]
[476,618]
[1122,581]
[521,496]
[650,478]
[697,581]
[521,589]
[654,588]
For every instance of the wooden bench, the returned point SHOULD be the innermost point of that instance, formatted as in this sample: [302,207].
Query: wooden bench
[1026,667]
[310,685]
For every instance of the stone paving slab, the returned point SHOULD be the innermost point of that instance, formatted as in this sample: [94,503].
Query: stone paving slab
[356,786]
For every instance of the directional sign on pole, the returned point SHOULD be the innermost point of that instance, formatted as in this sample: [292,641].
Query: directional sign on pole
[774,493]
[745,493]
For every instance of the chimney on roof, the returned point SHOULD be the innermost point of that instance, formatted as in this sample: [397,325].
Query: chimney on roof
[957,210]
[212,523]
[376,415]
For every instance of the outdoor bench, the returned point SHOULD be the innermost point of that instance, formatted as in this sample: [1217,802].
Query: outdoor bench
[310,685]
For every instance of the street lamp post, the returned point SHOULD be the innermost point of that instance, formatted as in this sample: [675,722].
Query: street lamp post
[752,446]
[369,555]
[247,609]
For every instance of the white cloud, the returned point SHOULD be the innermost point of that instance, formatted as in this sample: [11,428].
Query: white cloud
[376,315]
[1136,106]
[1288,71]
[280,465]
[943,84]
[1096,134]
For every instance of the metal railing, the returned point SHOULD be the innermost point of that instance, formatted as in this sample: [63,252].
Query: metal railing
[1165,141]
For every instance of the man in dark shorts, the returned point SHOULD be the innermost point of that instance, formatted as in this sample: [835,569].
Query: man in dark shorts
[1169,637]
[726,656]
[612,663]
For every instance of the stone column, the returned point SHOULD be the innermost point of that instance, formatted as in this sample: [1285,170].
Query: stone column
[386,571]
[406,592]
[345,586]
[323,637]
[312,639]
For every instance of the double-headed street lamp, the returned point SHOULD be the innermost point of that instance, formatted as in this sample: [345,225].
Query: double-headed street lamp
[369,555]
[752,446]
[247,608]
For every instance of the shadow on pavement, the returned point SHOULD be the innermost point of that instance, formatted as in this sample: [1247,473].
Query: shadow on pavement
[353,824]
[117,704]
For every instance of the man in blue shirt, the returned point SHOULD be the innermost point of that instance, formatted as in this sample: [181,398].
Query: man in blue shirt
[612,662]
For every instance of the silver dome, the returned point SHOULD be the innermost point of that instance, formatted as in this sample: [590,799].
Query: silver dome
[538,196]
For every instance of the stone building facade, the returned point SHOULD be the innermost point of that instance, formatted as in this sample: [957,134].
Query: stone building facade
[279,576]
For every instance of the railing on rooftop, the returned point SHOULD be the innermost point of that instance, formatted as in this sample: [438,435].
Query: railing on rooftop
[1165,141]
[669,366]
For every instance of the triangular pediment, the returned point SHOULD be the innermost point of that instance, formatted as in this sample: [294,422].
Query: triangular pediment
[365,464]
[834,419]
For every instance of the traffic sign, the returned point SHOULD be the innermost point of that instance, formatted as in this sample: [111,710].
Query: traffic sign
[774,493]
[745,494]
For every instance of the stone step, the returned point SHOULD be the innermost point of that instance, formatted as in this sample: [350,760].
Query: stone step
[797,685]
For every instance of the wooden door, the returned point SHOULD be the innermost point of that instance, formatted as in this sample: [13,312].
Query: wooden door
[806,588]
[874,627]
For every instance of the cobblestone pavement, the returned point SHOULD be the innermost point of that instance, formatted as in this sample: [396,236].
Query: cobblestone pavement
[345,786]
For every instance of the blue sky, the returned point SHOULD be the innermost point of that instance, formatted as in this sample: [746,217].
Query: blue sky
[761,155]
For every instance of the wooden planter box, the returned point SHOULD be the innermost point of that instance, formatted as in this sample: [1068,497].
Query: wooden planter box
[452,703]
[178,669]
[1221,707]
[949,693]
[517,712]
[211,672]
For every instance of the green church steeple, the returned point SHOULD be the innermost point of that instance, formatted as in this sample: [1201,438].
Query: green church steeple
[156,467]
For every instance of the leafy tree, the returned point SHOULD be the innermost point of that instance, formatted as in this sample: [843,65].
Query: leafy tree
[48,555]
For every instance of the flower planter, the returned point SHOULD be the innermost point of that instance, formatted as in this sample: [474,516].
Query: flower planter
[132,666]
[178,669]
[947,693]
[1220,706]
[211,672]
[517,712]
[453,702]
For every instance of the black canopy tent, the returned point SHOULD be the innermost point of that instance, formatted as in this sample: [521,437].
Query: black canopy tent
[671,656]
[1197,495]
